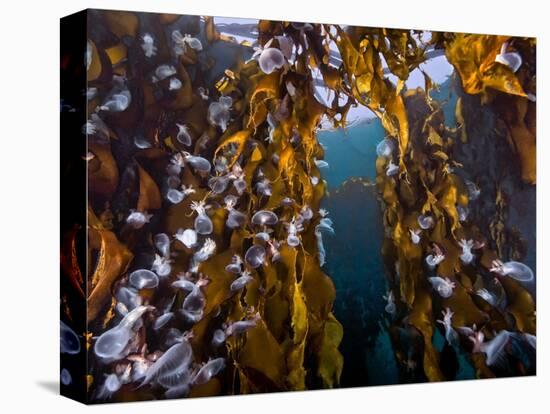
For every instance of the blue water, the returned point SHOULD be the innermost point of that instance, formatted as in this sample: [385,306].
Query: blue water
[353,254]
[354,259]
[351,152]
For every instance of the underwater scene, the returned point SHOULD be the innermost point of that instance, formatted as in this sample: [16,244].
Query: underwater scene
[279,206]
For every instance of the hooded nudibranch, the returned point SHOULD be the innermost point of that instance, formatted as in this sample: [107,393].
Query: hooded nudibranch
[143,279]
[415,235]
[162,243]
[443,286]
[198,163]
[138,219]
[183,136]
[516,270]
[182,42]
[112,344]
[450,334]
[236,265]
[203,224]
[188,237]
[269,58]
[385,148]
[425,221]
[265,218]
[69,341]
[255,256]
[241,281]
[511,59]
[209,370]
[148,45]
[219,112]
[466,256]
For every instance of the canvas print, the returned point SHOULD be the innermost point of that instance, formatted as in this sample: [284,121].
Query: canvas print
[254,206]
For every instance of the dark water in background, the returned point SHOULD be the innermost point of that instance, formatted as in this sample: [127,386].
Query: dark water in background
[354,259]
[353,254]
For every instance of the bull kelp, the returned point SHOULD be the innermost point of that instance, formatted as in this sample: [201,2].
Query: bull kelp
[217,255]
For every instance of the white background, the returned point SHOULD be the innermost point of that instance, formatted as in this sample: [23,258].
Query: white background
[29,203]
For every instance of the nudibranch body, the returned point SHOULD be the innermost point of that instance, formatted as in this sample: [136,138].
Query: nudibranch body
[385,148]
[450,334]
[443,286]
[415,235]
[182,42]
[325,224]
[425,221]
[113,343]
[293,228]
[269,58]
[240,327]
[143,279]
[148,45]
[264,218]
[219,112]
[516,270]
[137,219]
[236,265]
[390,303]
[241,281]
[183,136]
[69,341]
[111,385]
[188,237]
[466,256]
[511,59]
[203,224]
[392,169]
[487,296]
[255,256]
